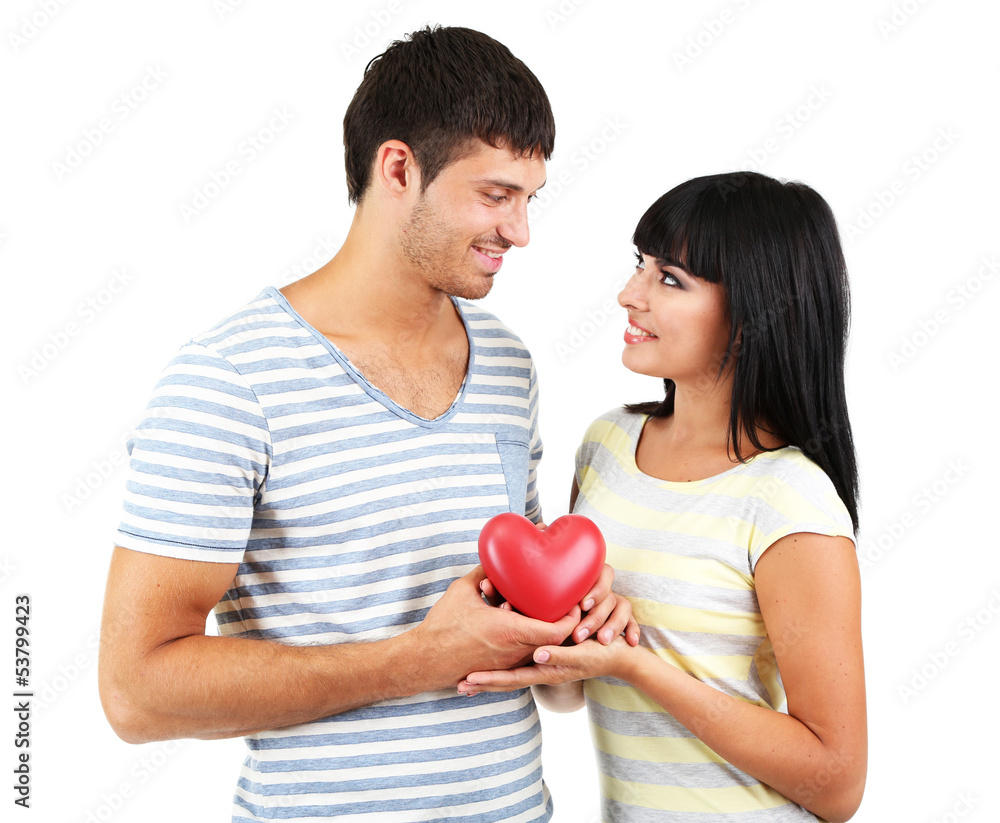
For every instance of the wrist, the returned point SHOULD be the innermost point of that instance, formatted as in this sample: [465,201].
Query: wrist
[424,661]
[627,662]
[410,665]
[399,671]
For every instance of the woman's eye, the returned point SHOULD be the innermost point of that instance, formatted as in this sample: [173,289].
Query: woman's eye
[668,279]
[639,262]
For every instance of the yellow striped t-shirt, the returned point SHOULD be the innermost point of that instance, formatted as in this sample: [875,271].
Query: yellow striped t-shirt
[684,554]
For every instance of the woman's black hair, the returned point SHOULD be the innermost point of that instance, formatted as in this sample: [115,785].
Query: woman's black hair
[775,248]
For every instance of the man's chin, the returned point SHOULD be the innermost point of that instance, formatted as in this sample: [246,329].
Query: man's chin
[476,290]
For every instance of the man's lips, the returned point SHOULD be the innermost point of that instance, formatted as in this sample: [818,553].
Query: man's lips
[491,258]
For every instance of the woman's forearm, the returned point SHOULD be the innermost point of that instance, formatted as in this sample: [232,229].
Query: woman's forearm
[806,765]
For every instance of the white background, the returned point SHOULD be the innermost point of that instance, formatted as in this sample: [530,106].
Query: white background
[888,109]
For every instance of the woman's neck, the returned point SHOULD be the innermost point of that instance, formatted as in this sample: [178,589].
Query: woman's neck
[695,441]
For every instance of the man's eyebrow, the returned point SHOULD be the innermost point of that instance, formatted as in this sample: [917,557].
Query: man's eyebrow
[505,184]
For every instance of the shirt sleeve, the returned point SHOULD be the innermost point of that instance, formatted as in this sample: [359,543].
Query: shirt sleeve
[594,437]
[198,462]
[800,498]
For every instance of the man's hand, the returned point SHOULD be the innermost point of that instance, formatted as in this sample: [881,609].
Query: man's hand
[462,633]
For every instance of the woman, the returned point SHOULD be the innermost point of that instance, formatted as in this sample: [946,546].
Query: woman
[730,512]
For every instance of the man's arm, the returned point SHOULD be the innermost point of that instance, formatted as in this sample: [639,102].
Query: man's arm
[162,677]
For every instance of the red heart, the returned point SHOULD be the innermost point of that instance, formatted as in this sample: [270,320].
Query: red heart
[542,573]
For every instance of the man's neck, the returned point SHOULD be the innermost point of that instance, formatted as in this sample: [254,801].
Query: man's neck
[368,289]
[403,336]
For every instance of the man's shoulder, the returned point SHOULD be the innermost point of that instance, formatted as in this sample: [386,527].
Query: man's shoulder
[254,325]
[485,325]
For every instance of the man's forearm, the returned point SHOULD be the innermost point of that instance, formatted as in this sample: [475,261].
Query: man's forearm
[216,687]
[161,677]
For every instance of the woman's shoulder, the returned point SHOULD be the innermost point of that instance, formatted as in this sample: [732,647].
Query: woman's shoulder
[795,494]
[614,423]
[611,436]
[795,466]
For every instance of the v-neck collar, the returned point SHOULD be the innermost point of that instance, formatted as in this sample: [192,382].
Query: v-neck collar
[374,391]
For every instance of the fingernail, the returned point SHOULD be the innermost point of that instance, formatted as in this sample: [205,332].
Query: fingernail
[542,657]
[607,635]
[582,635]
[588,604]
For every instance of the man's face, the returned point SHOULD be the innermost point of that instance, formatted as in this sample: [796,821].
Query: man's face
[473,211]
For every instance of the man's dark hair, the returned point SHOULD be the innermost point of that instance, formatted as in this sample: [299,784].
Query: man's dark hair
[437,90]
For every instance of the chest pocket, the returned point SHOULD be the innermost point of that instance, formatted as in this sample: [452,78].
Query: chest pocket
[514,456]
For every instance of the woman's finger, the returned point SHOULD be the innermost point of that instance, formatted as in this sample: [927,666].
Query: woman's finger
[601,589]
[595,618]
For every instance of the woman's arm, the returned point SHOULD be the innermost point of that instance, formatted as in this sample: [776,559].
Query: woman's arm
[809,590]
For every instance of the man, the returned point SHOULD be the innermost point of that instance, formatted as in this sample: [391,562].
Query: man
[317,468]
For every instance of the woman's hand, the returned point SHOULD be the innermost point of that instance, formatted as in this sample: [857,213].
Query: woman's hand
[555,665]
[606,614]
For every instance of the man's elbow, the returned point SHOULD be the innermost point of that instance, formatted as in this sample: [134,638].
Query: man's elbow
[129,720]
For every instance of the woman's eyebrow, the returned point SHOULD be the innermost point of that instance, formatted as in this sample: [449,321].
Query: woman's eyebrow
[669,261]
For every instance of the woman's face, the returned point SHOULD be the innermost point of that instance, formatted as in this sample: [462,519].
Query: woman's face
[678,324]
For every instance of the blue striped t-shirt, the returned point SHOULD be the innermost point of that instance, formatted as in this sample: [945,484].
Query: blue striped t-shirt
[349,517]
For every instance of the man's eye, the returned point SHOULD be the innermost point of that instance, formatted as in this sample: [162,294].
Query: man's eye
[498,198]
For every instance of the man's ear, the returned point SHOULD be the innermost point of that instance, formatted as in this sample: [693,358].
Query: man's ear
[396,169]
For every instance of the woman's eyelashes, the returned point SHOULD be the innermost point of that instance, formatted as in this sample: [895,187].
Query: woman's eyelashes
[666,278]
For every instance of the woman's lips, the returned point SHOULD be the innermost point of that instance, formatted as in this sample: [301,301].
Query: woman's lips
[637,334]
